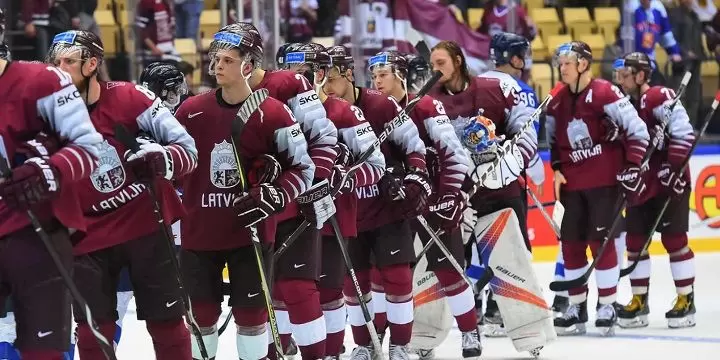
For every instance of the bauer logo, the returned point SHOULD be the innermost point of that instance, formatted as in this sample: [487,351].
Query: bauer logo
[223,167]
[109,174]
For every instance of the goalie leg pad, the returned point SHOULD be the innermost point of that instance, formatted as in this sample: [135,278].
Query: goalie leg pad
[431,319]
[515,286]
[171,339]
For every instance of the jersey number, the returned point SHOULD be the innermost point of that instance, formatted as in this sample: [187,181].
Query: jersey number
[145,91]
[527,99]
[304,81]
[65,78]
[617,91]
[358,113]
[439,107]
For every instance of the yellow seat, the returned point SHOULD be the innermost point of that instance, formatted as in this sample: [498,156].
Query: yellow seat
[607,20]
[597,45]
[474,17]
[547,21]
[709,68]
[211,4]
[578,22]
[541,76]
[107,4]
[661,58]
[187,48]
[108,30]
[458,14]
[209,23]
[205,44]
[534,4]
[554,41]
[539,50]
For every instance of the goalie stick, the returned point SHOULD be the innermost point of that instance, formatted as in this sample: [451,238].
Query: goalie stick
[686,162]
[127,139]
[105,346]
[565,285]
[251,104]
[397,121]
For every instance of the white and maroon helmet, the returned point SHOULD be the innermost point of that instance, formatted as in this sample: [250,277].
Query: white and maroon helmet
[242,36]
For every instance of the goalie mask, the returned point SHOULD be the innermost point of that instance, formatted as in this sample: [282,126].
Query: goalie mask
[166,81]
[478,137]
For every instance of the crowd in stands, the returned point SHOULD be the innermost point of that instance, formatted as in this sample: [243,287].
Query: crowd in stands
[679,35]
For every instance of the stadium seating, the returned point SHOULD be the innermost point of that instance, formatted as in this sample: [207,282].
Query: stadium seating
[108,31]
[541,78]
[209,23]
[554,41]
[607,20]
[107,4]
[533,4]
[597,45]
[578,22]
[211,4]
[539,50]
[187,48]
[547,22]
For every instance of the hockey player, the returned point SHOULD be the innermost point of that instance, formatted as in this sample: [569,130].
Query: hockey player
[122,228]
[166,82]
[494,95]
[447,171]
[296,272]
[355,136]
[383,212]
[587,171]
[632,73]
[35,97]
[221,207]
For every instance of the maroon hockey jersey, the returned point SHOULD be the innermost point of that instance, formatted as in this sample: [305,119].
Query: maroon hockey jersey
[298,94]
[496,95]
[403,146]
[355,132]
[117,206]
[155,20]
[437,132]
[679,137]
[575,133]
[208,193]
[497,19]
[35,97]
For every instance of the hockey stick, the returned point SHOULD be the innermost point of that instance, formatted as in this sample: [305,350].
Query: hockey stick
[434,238]
[680,172]
[356,285]
[124,136]
[103,342]
[555,227]
[565,285]
[397,121]
[251,104]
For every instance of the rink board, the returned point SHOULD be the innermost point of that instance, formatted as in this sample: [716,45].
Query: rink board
[704,218]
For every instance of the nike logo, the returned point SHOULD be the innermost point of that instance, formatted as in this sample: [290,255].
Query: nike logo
[600,228]
[44,334]
[394,252]
[322,276]
[170,304]
[666,224]
[298,266]
[253,295]
[190,116]
[442,259]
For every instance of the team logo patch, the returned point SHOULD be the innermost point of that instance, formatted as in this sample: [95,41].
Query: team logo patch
[110,174]
[223,167]
[579,135]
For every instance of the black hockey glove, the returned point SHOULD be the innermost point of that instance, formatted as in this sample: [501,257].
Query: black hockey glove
[43,145]
[31,183]
[449,209]
[417,188]
[316,204]
[341,180]
[391,186]
[432,162]
[612,130]
[631,180]
[152,160]
[264,169]
[259,203]
[674,185]
[344,155]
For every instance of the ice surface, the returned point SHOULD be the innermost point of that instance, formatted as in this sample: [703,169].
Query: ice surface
[655,342]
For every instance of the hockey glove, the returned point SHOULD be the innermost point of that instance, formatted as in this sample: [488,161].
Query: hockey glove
[31,183]
[417,189]
[509,168]
[150,161]
[449,209]
[612,130]
[344,157]
[432,162]
[43,145]
[341,180]
[631,180]
[391,186]
[674,185]
[657,136]
[259,203]
[264,169]
[316,204]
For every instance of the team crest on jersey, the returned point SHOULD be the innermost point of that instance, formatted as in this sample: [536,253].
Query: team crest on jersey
[579,135]
[109,174]
[223,167]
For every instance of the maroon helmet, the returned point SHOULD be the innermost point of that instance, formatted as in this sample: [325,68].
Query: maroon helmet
[391,58]
[241,36]
[69,42]
[341,58]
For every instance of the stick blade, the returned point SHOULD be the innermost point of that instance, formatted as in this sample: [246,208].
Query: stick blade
[626,271]
[569,284]
[423,50]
